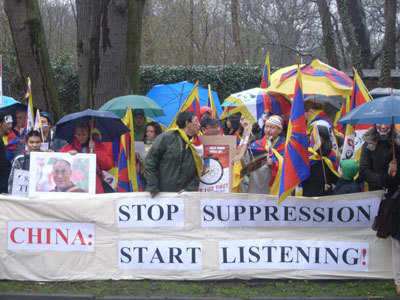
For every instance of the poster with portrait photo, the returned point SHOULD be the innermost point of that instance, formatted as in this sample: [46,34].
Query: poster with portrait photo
[61,173]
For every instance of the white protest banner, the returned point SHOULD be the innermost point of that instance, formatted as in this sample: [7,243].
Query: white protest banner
[83,238]
[142,212]
[293,254]
[160,255]
[50,236]
[234,213]
[20,186]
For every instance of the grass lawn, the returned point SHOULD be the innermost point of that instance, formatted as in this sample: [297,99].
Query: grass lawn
[227,288]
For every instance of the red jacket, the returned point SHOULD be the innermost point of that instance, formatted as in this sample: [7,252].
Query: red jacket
[103,161]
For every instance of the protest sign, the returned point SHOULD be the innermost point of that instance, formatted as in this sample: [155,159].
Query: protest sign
[191,236]
[20,186]
[219,152]
[62,173]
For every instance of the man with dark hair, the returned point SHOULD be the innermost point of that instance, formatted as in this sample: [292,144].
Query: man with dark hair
[5,167]
[20,116]
[10,140]
[174,162]
[21,162]
[209,126]
[139,121]
[54,143]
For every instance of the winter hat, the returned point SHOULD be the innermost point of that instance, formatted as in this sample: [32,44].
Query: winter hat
[275,120]
[349,169]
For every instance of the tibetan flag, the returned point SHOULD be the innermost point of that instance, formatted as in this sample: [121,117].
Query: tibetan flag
[128,177]
[38,122]
[29,120]
[192,103]
[266,77]
[296,164]
[210,103]
[353,139]
[340,129]
[11,142]
[315,141]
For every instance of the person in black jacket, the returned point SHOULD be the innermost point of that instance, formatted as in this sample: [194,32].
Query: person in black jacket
[376,161]
[5,164]
[346,183]
[5,167]
[381,171]
[323,165]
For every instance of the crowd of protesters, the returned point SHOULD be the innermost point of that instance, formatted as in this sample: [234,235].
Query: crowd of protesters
[173,159]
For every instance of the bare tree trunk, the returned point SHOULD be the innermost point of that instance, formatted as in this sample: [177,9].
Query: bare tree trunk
[85,14]
[191,32]
[147,40]
[235,31]
[329,35]
[30,45]
[357,16]
[132,71]
[109,45]
[388,60]
[343,8]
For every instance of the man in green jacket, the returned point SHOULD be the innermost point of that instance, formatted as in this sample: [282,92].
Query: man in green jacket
[174,162]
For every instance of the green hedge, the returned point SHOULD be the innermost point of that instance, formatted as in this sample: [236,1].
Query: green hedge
[225,80]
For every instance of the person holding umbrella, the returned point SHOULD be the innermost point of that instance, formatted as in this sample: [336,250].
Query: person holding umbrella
[379,168]
[83,144]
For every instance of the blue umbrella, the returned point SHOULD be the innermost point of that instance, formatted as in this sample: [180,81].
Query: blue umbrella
[7,101]
[171,97]
[107,123]
[384,110]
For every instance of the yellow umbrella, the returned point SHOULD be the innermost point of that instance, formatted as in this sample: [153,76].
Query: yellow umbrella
[318,78]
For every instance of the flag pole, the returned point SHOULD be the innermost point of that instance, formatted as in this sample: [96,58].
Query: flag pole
[91,132]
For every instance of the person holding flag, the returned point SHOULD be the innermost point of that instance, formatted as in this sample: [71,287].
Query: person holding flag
[323,164]
[314,114]
[174,162]
[271,148]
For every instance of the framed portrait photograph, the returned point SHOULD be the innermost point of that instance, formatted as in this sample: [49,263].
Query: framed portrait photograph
[55,172]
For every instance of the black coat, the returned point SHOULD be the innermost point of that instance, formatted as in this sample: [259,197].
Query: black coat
[376,155]
[346,187]
[394,222]
[5,167]
[314,186]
